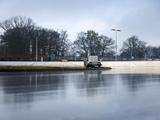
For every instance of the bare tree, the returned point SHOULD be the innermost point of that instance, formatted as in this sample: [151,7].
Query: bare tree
[133,48]
[106,46]
[17,22]
[64,43]
[90,43]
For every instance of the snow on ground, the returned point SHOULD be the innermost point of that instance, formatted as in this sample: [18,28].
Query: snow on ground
[149,67]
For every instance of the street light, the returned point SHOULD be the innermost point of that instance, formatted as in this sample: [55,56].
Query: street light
[36,49]
[116,30]
[37,35]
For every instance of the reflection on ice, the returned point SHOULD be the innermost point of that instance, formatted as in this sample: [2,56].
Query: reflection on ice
[86,94]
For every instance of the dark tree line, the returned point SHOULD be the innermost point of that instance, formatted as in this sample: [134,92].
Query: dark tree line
[22,39]
[21,36]
[135,49]
[90,43]
[152,52]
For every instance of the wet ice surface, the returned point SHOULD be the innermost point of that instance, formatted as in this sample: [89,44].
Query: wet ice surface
[89,95]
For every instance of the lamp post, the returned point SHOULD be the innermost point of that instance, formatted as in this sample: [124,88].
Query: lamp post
[37,36]
[116,30]
[36,49]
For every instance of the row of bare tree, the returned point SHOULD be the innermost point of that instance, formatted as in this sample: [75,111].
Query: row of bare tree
[22,39]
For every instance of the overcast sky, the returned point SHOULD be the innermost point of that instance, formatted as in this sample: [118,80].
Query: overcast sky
[133,17]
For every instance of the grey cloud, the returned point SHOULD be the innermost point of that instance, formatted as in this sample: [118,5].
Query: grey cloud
[144,22]
[138,17]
